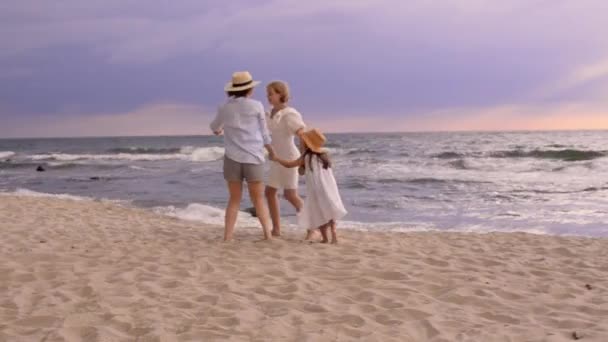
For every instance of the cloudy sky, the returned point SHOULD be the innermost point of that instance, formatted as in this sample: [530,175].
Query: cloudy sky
[135,67]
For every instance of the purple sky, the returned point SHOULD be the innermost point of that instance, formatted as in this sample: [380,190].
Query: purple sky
[125,67]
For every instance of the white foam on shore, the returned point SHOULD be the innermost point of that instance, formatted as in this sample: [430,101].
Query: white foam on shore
[215,216]
[6,154]
[187,153]
[31,193]
[211,215]
[202,154]
[206,214]
[386,226]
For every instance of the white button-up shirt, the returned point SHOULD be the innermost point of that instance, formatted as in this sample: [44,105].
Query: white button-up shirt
[245,131]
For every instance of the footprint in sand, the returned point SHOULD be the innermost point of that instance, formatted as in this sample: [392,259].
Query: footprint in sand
[274,309]
[229,322]
[390,304]
[387,320]
[392,275]
[364,296]
[436,262]
[210,299]
[499,318]
[351,320]
[314,308]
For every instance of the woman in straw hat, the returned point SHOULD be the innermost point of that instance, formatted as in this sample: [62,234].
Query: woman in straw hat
[243,123]
[323,205]
[284,123]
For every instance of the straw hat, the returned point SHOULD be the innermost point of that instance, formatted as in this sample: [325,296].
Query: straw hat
[241,80]
[314,140]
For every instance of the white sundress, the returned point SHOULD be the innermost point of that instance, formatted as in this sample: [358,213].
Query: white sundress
[323,202]
[283,127]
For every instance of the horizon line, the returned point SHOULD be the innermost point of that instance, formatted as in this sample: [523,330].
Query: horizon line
[327,132]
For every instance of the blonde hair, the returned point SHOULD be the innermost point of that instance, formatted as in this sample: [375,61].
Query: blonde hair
[280,88]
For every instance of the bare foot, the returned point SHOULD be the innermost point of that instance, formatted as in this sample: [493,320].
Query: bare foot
[323,230]
[276,233]
[310,235]
[325,241]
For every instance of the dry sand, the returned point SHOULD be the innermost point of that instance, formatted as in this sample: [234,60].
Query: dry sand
[92,271]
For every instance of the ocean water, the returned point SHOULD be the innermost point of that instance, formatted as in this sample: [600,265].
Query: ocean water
[538,182]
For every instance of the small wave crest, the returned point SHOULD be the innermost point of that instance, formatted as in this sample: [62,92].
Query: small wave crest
[349,151]
[215,216]
[565,155]
[6,154]
[188,153]
[31,193]
[358,151]
[355,184]
[204,154]
[144,150]
[459,164]
[427,181]
[448,155]
[206,214]
[52,165]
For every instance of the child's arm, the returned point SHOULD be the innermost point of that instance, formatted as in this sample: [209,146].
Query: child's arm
[289,163]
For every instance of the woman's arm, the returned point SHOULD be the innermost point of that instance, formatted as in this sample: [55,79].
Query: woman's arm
[289,163]
[217,125]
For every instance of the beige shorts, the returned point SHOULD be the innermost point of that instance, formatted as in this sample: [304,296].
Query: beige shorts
[236,172]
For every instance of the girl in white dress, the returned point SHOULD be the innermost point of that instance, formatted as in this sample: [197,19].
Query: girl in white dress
[323,205]
[284,123]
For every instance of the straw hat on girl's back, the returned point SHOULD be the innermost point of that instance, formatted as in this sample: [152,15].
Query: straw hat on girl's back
[241,80]
[314,140]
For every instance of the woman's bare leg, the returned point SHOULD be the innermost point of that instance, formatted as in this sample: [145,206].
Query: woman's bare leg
[291,195]
[275,210]
[235,189]
[256,192]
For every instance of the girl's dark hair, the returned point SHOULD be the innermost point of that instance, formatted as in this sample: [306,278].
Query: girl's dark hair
[323,156]
[239,93]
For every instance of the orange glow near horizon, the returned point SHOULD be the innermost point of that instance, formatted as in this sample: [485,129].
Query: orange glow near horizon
[492,120]
[193,120]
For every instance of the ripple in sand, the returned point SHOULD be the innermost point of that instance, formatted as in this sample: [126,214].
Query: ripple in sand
[38,321]
[387,320]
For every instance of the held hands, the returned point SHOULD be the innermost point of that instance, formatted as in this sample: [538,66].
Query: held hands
[272,156]
[218,132]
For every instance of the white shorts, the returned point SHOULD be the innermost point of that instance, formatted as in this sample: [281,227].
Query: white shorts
[281,177]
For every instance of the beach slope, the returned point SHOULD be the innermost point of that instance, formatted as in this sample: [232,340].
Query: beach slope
[95,271]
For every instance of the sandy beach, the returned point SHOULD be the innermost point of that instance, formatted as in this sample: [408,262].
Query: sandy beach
[95,271]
